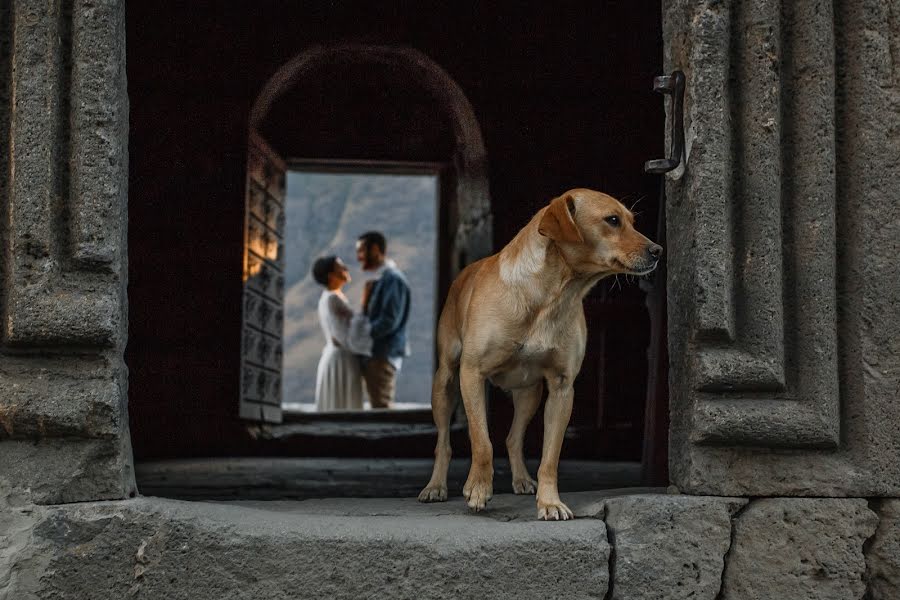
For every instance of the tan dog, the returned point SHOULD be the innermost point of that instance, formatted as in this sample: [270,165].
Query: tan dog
[516,319]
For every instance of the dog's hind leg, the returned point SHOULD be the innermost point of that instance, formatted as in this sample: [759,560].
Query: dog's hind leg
[479,487]
[442,405]
[526,401]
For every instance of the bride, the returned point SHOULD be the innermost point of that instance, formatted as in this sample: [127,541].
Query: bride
[338,379]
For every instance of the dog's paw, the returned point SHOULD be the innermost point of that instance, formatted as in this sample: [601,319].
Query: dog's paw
[554,511]
[524,485]
[478,493]
[433,493]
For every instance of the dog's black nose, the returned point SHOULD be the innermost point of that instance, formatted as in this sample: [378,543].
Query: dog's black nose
[655,251]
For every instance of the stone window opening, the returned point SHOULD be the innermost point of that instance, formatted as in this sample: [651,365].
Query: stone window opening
[316,112]
[382,98]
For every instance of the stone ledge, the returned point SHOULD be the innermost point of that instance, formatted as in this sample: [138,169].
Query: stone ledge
[659,546]
[155,548]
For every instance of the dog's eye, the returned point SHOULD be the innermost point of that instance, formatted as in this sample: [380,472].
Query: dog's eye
[613,220]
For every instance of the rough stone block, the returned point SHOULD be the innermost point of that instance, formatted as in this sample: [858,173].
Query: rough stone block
[20,563]
[59,470]
[668,546]
[883,553]
[153,548]
[51,397]
[799,549]
[63,429]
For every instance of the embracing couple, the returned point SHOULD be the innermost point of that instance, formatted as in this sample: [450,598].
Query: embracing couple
[368,345]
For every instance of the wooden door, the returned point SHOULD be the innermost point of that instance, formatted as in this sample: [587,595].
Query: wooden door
[263,297]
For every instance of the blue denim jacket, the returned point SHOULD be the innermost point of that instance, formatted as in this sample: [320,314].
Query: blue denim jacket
[388,312]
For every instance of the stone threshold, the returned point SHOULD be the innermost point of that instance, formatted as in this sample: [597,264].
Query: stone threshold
[623,544]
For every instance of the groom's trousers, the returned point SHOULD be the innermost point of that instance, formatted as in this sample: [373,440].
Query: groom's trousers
[381,382]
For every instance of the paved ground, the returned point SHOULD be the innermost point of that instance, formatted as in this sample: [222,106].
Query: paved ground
[300,478]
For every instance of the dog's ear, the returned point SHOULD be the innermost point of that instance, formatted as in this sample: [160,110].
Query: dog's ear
[558,223]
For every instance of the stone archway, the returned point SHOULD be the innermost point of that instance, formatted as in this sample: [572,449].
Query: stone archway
[472,231]
[464,228]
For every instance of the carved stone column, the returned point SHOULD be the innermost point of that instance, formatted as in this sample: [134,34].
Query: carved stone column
[63,188]
[783,229]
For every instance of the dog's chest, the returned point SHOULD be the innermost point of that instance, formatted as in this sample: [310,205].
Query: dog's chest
[545,344]
[525,366]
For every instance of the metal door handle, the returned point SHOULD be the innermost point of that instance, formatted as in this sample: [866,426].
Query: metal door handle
[671,85]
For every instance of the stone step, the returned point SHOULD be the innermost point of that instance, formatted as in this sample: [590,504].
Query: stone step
[276,478]
[623,545]
[336,549]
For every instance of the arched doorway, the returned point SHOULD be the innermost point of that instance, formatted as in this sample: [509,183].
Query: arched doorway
[351,108]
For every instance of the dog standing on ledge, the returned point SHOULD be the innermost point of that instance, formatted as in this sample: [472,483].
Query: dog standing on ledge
[516,319]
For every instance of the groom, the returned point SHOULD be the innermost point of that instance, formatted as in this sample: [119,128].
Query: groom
[388,311]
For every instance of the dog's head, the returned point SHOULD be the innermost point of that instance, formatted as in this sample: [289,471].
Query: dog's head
[596,234]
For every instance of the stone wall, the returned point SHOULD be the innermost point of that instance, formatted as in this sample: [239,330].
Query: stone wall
[63,145]
[782,226]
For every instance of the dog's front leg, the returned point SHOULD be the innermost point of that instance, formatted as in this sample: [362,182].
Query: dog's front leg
[557,412]
[479,486]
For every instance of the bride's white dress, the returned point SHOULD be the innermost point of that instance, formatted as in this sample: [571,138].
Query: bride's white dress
[338,379]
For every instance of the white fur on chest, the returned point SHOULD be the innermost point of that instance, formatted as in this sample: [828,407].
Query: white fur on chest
[527,262]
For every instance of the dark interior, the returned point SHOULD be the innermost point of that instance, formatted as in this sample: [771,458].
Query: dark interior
[563,97]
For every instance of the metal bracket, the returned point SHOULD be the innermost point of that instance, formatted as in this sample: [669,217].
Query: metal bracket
[671,85]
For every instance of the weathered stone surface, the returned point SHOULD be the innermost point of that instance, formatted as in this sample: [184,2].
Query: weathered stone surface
[153,548]
[799,548]
[664,547]
[63,416]
[883,553]
[668,546]
[58,397]
[20,563]
[54,471]
[68,181]
[785,361]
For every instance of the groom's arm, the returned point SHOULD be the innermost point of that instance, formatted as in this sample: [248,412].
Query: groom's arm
[387,314]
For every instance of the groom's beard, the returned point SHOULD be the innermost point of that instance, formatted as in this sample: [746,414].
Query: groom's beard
[370,264]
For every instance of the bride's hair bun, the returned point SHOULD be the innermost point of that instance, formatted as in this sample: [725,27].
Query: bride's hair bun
[322,267]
